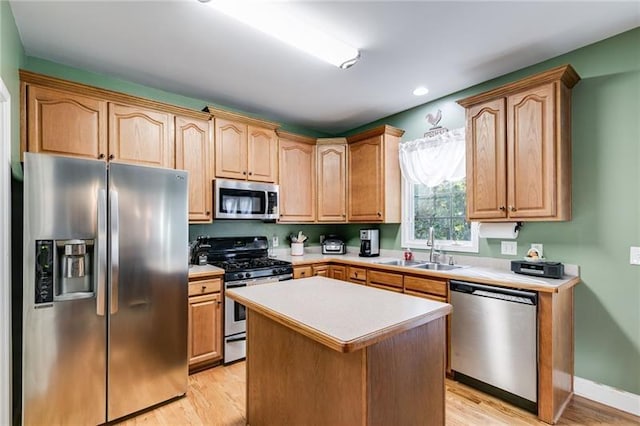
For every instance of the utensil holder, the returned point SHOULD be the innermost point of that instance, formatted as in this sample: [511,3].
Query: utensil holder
[297,249]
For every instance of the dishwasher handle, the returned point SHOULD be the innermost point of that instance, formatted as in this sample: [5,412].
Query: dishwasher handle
[493,292]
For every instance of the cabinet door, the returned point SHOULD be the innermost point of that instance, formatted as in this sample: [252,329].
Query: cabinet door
[531,153]
[193,154]
[332,183]
[297,182]
[321,271]
[366,186]
[205,328]
[338,272]
[231,149]
[141,136]
[486,161]
[263,154]
[66,124]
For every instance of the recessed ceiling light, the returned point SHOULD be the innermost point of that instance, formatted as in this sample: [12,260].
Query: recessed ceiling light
[290,30]
[420,91]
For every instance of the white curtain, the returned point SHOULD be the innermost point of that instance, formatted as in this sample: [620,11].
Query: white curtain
[435,160]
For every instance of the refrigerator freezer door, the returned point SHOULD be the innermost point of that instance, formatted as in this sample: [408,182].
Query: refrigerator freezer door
[64,340]
[147,354]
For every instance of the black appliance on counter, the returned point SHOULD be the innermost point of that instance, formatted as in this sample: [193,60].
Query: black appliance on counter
[246,262]
[542,269]
[369,242]
[334,245]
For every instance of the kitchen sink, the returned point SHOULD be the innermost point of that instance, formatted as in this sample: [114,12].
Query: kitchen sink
[437,266]
[401,262]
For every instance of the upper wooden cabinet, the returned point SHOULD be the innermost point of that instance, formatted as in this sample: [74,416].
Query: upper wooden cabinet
[297,171]
[262,154]
[374,176]
[65,123]
[519,149]
[246,148]
[331,155]
[193,154]
[141,136]
[72,119]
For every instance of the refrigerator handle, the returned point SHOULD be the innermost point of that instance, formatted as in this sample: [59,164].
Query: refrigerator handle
[115,251]
[102,252]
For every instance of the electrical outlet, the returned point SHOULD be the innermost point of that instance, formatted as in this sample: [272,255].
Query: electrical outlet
[538,247]
[634,256]
[274,241]
[509,247]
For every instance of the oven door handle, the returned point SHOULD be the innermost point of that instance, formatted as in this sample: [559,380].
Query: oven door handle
[236,285]
[236,339]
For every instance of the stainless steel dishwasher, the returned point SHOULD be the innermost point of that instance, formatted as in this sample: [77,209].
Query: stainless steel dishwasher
[494,341]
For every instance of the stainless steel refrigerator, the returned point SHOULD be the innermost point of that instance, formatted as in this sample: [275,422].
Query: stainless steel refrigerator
[105,289]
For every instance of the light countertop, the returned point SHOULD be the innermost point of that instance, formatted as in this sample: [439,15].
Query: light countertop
[481,270]
[340,315]
[202,271]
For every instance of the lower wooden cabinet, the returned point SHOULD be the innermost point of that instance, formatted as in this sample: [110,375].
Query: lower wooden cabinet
[357,275]
[320,271]
[385,280]
[338,272]
[302,271]
[205,323]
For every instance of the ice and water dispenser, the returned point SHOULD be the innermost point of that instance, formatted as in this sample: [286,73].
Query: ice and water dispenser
[64,270]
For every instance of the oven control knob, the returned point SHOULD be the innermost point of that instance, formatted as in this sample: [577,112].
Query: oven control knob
[247,275]
[240,276]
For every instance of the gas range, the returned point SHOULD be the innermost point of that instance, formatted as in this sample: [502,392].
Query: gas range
[246,262]
[236,269]
[242,258]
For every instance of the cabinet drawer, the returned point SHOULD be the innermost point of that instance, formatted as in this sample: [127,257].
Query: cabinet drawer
[427,285]
[426,296]
[357,274]
[302,272]
[386,287]
[205,286]
[321,271]
[384,278]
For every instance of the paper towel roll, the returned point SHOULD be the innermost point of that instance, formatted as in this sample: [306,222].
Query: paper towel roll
[504,230]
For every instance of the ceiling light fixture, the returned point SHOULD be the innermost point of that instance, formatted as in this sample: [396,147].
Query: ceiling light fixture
[289,30]
[420,91]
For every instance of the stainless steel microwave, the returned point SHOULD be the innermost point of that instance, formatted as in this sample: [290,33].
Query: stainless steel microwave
[236,199]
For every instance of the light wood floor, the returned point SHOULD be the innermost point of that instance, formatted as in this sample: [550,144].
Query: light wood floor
[217,397]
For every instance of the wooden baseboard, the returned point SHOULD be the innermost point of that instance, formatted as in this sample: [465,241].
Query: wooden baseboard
[607,395]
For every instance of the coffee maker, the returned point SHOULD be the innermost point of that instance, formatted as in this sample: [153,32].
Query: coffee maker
[369,242]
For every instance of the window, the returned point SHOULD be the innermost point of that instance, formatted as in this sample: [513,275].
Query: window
[443,207]
[434,193]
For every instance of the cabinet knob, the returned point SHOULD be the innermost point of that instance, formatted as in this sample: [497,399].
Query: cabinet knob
[208,213]
[512,208]
[204,287]
[355,274]
[101,156]
[379,214]
[502,208]
[344,215]
[250,173]
[111,157]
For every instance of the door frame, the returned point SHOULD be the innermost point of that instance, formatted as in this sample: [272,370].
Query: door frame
[5,254]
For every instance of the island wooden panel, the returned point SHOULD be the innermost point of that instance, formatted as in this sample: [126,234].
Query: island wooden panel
[399,380]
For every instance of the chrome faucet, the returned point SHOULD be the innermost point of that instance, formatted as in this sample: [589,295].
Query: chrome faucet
[430,244]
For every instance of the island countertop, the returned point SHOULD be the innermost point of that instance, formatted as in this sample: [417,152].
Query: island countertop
[343,316]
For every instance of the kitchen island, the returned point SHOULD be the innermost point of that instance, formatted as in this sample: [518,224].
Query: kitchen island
[322,351]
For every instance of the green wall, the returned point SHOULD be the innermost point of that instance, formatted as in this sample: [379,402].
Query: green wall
[11,58]
[606,202]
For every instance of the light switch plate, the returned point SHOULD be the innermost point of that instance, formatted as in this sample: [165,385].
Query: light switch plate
[509,247]
[634,256]
[538,247]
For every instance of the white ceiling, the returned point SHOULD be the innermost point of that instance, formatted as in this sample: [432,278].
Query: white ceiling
[185,47]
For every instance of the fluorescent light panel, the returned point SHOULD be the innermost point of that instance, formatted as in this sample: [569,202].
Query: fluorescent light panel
[289,30]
